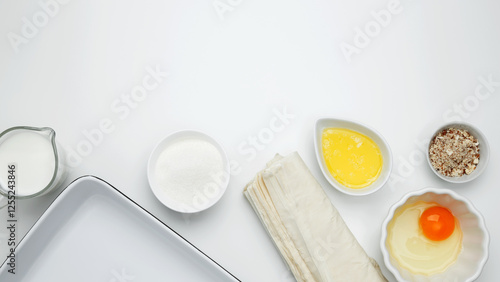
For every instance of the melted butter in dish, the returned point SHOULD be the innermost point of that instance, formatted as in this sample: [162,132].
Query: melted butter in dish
[352,158]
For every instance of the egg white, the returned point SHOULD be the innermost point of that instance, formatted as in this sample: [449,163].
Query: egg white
[413,251]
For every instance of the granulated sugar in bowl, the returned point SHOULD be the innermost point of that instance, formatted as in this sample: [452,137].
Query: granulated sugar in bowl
[188,171]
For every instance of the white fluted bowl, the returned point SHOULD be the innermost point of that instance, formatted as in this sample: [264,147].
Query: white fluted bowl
[474,255]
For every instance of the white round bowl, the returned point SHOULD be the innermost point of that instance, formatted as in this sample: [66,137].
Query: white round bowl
[385,150]
[209,192]
[484,151]
[475,241]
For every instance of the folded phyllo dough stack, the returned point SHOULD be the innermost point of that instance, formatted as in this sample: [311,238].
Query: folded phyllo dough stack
[306,228]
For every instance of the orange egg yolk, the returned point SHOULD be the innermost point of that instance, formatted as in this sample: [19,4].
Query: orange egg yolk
[437,223]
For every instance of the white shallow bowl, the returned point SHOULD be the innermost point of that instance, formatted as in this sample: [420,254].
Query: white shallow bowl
[210,196]
[385,150]
[474,255]
[484,151]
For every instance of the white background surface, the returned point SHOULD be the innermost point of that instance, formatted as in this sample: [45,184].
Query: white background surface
[228,74]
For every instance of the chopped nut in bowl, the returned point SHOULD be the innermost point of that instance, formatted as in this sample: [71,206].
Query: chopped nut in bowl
[458,152]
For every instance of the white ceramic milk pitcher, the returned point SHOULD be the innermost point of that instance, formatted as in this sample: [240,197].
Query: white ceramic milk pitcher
[31,163]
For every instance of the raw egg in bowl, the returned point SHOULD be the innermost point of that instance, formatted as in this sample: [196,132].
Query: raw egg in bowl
[434,235]
[354,158]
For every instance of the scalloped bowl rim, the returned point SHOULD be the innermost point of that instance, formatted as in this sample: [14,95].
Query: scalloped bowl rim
[481,223]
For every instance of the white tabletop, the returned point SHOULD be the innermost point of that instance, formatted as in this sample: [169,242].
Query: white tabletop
[239,70]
